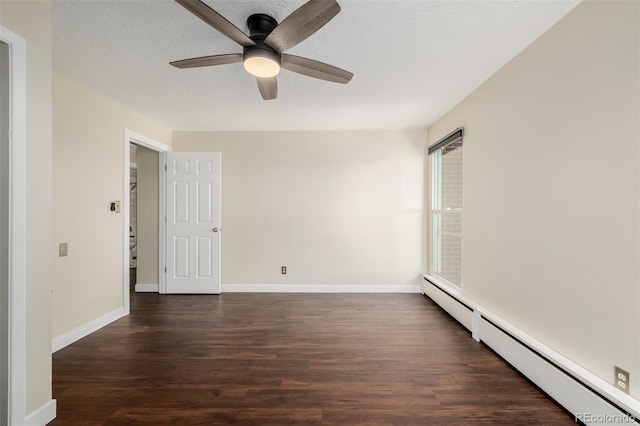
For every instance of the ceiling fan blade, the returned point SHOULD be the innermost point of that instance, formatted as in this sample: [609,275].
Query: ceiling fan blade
[315,69]
[207,61]
[303,22]
[217,21]
[268,88]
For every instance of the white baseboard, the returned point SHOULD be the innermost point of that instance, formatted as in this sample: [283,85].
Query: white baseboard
[42,415]
[147,288]
[318,288]
[86,329]
[590,399]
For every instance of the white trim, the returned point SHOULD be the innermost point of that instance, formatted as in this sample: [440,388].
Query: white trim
[142,140]
[17,224]
[86,329]
[42,415]
[578,397]
[147,288]
[132,137]
[318,288]
[126,235]
[162,224]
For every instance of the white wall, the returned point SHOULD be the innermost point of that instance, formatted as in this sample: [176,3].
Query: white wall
[551,192]
[336,208]
[88,155]
[32,21]
[147,269]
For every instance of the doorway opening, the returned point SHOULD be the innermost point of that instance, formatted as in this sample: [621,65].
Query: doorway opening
[143,219]
[133,217]
[143,235]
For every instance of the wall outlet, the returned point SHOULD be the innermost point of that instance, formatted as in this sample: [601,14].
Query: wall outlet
[62,249]
[283,270]
[622,379]
[115,207]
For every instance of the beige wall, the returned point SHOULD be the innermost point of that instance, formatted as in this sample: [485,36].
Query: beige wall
[88,155]
[336,208]
[147,269]
[32,21]
[551,192]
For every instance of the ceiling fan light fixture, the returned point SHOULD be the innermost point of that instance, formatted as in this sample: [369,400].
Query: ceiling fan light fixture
[261,63]
[264,47]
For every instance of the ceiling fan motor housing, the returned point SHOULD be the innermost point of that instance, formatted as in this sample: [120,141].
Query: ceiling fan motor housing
[260,26]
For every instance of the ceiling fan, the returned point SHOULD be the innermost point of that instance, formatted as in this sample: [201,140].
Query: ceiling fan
[263,50]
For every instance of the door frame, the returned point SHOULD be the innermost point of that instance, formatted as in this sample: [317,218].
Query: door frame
[17,224]
[132,137]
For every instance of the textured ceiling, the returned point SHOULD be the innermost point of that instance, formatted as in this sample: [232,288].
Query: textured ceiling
[412,60]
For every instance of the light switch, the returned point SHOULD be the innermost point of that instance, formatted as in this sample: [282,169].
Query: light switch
[62,249]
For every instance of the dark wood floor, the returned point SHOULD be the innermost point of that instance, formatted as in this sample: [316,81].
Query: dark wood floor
[277,359]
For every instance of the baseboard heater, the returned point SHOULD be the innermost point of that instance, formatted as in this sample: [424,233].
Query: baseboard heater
[586,403]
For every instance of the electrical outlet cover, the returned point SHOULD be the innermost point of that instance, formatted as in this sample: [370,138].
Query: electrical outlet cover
[622,379]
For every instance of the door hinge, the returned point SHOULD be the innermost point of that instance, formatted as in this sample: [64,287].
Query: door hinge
[165,168]
[165,269]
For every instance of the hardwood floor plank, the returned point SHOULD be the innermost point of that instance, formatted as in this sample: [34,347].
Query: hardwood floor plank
[276,359]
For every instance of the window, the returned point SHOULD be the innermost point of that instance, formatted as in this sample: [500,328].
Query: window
[446,207]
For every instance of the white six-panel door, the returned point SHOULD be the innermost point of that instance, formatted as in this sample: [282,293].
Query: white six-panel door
[193,222]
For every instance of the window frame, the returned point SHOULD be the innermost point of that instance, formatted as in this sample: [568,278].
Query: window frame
[434,252]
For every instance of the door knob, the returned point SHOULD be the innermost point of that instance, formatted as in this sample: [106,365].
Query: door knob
[216,229]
